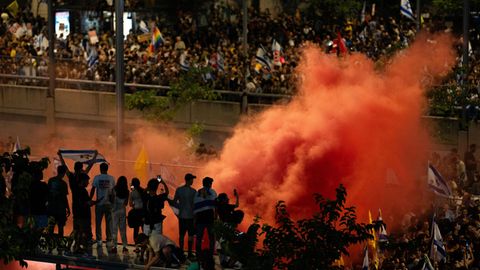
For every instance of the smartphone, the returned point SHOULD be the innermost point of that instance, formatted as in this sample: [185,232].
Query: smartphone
[159,178]
[132,187]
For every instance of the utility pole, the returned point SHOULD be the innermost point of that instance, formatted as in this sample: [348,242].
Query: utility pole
[419,17]
[465,64]
[51,48]
[119,71]
[244,103]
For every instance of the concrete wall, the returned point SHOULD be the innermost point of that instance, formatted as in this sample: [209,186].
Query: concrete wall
[98,109]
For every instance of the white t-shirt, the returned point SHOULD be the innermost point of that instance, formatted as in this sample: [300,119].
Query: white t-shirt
[104,184]
[158,241]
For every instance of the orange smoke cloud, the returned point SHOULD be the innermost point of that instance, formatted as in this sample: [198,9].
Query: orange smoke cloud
[349,124]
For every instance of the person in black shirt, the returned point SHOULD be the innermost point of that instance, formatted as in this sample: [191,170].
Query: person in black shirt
[153,206]
[58,208]
[226,211]
[38,200]
[82,215]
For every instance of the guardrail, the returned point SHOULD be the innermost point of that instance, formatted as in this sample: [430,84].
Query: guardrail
[75,84]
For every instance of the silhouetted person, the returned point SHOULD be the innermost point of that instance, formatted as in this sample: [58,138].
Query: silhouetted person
[183,199]
[136,214]
[153,206]
[205,212]
[58,208]
[38,200]
[119,213]
[82,217]
[226,211]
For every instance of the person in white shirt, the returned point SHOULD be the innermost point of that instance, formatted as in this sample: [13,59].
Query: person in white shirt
[103,184]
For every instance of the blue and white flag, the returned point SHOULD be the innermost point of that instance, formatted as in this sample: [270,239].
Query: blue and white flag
[220,62]
[382,232]
[92,57]
[406,9]
[436,182]
[143,27]
[84,156]
[366,262]
[437,251]
[16,146]
[184,65]
[362,14]
[277,53]
[263,58]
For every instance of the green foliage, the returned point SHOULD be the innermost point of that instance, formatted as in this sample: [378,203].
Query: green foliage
[443,100]
[189,87]
[310,243]
[186,89]
[315,243]
[195,130]
[17,242]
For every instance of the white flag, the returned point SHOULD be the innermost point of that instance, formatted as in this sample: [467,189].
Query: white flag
[406,9]
[436,182]
[437,251]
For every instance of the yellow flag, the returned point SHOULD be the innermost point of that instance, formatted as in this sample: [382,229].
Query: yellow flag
[141,165]
[13,8]
[339,262]
[373,242]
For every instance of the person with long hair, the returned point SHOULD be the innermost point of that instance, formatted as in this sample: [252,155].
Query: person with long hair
[119,213]
[136,214]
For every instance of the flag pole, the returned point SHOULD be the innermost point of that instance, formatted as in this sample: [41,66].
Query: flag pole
[418,16]
[119,71]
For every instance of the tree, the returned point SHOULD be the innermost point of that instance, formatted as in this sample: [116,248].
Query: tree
[310,243]
[184,90]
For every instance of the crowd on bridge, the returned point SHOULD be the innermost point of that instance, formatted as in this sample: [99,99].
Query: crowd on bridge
[213,40]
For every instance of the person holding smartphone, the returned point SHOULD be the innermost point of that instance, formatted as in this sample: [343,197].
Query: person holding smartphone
[154,205]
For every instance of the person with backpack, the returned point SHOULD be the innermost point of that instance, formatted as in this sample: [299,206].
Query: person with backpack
[136,214]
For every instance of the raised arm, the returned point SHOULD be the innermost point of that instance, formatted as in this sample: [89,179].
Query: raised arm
[63,162]
[90,165]
[235,193]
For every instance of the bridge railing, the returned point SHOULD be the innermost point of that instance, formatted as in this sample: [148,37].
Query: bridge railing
[75,84]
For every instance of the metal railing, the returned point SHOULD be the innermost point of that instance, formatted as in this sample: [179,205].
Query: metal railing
[103,86]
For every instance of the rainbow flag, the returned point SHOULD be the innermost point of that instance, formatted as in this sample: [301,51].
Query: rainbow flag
[157,39]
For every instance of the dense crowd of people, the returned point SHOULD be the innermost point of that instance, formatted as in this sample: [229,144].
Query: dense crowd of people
[457,218]
[48,206]
[141,209]
[212,39]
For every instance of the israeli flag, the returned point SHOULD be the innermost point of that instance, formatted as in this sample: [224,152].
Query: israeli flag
[263,58]
[436,182]
[437,251]
[366,262]
[16,146]
[184,65]
[220,62]
[406,9]
[84,156]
